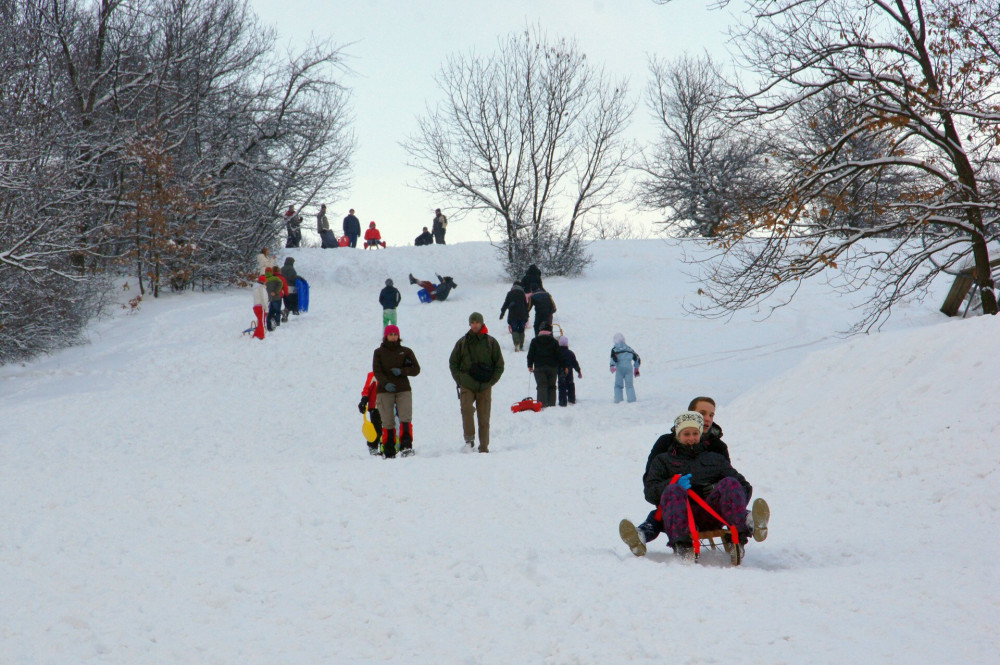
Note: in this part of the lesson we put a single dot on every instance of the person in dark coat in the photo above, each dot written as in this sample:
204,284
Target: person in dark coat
293,226
567,365
389,298
712,438
424,238
393,364
543,362
688,465
544,306
532,280
292,297
516,306
327,239
352,228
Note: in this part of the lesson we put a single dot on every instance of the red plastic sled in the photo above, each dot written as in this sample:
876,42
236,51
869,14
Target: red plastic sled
526,404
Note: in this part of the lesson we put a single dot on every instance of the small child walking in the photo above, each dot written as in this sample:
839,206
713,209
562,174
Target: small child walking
624,365
389,298
567,365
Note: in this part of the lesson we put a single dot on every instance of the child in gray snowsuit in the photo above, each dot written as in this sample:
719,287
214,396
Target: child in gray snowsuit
624,365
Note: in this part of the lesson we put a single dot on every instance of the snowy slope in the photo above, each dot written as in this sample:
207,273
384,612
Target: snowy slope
174,492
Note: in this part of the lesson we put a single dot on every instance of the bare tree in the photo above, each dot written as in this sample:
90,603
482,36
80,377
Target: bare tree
704,169
157,139
532,137
923,81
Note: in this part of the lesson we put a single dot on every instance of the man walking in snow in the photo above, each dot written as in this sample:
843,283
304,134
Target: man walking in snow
476,365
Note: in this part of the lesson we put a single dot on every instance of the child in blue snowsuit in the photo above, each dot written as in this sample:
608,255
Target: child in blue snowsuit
624,365
567,365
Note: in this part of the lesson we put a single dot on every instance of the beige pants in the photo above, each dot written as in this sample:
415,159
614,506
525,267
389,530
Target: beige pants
403,402
477,404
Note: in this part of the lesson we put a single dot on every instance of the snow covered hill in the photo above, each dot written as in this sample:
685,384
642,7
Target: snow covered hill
177,493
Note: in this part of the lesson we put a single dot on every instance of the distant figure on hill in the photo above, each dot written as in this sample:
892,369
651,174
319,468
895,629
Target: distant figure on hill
567,365
424,238
532,280
327,239
439,226
389,298
373,238
293,225
352,228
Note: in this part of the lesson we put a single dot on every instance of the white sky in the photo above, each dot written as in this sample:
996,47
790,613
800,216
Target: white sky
397,47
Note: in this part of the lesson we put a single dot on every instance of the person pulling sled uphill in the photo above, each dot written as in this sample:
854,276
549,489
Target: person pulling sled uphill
393,364
516,306
720,492
437,291
543,362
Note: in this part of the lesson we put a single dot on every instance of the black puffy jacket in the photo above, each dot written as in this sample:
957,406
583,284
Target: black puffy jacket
543,352
712,440
706,469
515,305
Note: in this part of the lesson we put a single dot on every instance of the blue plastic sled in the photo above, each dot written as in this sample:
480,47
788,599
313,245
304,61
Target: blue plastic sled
423,295
302,289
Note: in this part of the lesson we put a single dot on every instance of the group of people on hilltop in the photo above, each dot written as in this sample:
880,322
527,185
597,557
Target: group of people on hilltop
328,239
352,230
439,227
276,285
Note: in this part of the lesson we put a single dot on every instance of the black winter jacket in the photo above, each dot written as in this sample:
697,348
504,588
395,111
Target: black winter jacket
712,440
567,361
515,305
352,226
532,280
543,304
706,469
543,352
389,297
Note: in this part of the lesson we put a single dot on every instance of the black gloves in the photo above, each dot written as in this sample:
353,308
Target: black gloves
363,404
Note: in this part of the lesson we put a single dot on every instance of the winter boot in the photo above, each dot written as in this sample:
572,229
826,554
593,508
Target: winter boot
760,514
284,316
405,439
373,448
388,443
633,537
413,280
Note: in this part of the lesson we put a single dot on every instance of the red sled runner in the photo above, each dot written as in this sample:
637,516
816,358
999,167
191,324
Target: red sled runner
526,404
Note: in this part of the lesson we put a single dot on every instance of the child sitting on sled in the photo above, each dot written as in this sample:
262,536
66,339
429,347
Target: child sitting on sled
688,465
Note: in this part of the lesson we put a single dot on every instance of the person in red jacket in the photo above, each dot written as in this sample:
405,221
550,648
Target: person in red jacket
372,237
369,395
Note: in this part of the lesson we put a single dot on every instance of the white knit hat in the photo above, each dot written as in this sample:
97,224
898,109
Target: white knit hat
689,419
